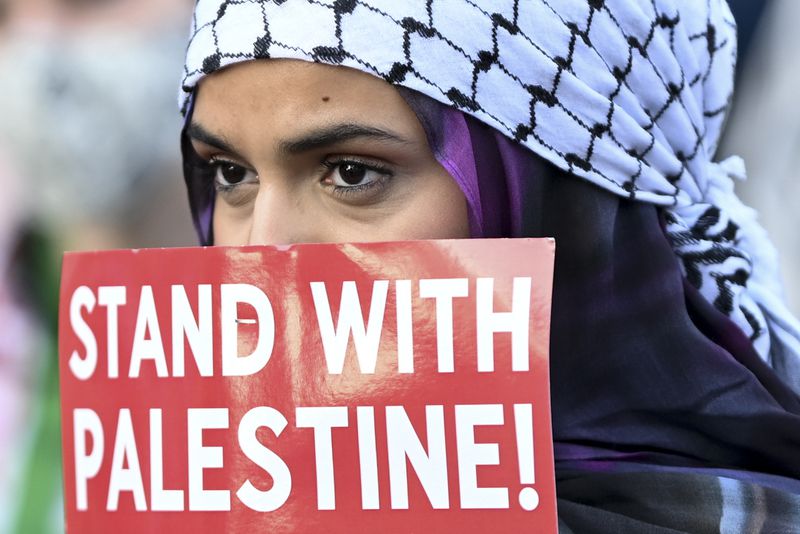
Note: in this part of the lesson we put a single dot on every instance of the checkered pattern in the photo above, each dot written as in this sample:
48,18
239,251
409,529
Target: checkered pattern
628,95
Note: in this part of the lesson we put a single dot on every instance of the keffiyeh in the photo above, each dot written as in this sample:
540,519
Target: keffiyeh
630,96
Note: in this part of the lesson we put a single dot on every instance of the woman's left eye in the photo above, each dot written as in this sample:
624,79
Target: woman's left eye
354,175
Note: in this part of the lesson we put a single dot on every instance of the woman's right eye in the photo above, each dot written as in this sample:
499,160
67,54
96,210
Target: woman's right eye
228,174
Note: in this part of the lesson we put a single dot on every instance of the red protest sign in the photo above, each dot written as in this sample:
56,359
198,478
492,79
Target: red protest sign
400,387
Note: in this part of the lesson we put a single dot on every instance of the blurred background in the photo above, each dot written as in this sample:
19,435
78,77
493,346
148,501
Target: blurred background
89,159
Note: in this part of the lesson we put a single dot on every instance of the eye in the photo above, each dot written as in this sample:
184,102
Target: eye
228,174
349,174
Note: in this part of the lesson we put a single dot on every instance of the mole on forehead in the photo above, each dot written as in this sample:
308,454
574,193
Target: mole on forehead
326,98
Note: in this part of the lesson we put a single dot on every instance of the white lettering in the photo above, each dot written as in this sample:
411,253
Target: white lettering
431,467
122,478
145,348
322,420
471,455
275,497
112,298
368,458
516,321
197,332
87,465
232,363
82,368
161,500
405,331
202,457
351,320
444,291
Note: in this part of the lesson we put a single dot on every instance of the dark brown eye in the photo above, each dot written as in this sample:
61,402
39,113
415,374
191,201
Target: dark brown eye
355,177
228,175
232,173
352,173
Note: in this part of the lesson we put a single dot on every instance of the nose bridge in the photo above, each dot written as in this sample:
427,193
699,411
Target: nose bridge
278,216
271,218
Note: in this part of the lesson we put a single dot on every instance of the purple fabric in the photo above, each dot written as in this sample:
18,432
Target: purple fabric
199,186
645,372
471,153
490,169
494,206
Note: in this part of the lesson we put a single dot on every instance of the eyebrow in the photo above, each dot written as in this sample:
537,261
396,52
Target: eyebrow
199,133
338,133
314,140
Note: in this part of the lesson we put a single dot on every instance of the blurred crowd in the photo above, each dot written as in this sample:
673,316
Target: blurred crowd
89,159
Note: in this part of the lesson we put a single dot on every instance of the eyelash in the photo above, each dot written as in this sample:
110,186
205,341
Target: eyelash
213,164
385,173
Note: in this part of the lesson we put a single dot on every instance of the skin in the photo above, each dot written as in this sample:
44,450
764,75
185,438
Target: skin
303,152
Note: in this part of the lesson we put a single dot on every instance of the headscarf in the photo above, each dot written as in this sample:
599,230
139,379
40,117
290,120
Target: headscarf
641,365
665,419
630,96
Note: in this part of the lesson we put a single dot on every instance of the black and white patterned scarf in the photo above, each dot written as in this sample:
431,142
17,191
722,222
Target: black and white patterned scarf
630,95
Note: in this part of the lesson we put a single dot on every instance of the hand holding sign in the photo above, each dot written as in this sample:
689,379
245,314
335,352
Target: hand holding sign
384,384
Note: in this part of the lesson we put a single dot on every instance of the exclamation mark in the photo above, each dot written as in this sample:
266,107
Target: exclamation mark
523,419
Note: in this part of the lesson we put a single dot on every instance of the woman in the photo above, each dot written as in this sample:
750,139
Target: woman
675,364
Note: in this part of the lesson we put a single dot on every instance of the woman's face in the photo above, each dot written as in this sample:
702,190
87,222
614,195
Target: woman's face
304,152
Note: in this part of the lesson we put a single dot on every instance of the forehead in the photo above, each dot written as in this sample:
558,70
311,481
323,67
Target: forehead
289,95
